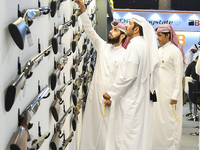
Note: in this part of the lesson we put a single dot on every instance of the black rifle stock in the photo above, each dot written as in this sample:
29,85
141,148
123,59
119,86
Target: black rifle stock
13,89
20,140
66,142
55,5
77,37
86,42
36,144
75,114
61,30
59,65
55,107
20,27
76,63
54,144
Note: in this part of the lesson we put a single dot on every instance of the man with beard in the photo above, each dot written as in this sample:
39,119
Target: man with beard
109,54
131,118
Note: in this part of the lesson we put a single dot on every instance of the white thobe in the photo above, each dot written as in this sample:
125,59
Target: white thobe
130,124
197,67
167,130
94,128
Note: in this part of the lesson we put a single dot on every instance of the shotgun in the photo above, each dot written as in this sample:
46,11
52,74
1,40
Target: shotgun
54,144
22,136
55,107
75,114
13,89
66,142
58,67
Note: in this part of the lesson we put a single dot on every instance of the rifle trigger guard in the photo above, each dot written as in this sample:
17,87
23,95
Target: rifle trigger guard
46,96
29,75
46,54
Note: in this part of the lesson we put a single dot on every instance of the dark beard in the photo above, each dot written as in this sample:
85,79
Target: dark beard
113,40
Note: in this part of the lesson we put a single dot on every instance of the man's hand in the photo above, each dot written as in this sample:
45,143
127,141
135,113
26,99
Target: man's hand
173,101
106,96
81,5
107,102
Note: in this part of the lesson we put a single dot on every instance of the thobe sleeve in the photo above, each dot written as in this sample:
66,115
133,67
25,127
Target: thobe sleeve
126,74
197,67
91,33
178,67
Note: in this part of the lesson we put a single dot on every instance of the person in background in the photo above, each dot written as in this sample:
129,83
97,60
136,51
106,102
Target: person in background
190,72
131,116
197,67
190,54
168,130
109,54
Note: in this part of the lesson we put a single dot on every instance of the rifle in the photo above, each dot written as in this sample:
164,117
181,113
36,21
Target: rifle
76,87
37,143
20,27
58,67
58,34
88,79
75,114
66,142
20,140
76,38
57,130
91,16
55,107
13,89
76,63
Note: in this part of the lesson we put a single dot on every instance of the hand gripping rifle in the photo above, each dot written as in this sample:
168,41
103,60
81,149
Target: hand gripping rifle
37,143
55,107
66,142
75,114
13,89
20,27
58,67
76,38
54,144
22,136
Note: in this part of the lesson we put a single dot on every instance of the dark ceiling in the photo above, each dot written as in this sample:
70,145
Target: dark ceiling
189,5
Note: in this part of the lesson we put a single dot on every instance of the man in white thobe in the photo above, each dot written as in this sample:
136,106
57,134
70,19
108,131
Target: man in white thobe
131,120
109,54
190,54
168,126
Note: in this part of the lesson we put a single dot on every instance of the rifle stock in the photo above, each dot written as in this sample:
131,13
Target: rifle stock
58,68
18,29
20,140
55,107
13,89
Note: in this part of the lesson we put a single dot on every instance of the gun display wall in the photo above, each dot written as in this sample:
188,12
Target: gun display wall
47,63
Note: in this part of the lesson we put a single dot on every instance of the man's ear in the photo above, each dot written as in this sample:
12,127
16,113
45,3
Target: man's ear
122,36
136,30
